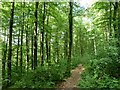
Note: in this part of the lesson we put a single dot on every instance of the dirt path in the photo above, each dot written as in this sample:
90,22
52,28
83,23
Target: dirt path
72,81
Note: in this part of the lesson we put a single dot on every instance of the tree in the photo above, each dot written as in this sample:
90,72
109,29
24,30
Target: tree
35,37
47,47
32,59
110,20
70,34
10,44
114,18
27,47
4,53
21,48
42,32
18,51
119,30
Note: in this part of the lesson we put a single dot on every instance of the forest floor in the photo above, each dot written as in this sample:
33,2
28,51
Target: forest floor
72,81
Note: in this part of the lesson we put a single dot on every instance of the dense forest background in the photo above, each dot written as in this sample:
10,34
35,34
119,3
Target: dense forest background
41,42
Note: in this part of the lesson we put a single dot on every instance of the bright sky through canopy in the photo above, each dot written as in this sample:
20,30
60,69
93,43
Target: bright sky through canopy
87,3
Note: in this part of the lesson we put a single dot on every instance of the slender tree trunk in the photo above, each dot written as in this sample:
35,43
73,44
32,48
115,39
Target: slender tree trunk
70,35
21,48
27,48
10,44
56,47
81,41
66,45
70,30
119,30
47,47
40,28
76,46
3,61
35,37
32,66
42,43
95,48
4,58
107,27
114,18
110,21
18,51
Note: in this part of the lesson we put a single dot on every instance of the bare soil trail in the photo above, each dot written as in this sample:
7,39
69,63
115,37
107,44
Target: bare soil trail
72,81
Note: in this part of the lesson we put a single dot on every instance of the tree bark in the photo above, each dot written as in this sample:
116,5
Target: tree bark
32,66
18,51
119,30
114,19
4,58
66,45
47,47
42,43
81,42
10,44
21,48
110,21
27,48
70,35
35,37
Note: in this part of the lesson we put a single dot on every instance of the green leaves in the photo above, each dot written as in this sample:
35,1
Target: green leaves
101,72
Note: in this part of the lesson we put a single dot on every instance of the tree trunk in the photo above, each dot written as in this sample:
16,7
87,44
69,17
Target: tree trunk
21,48
57,47
70,35
27,49
32,66
42,43
110,21
119,31
66,45
18,51
47,47
4,58
81,41
35,37
10,44
114,18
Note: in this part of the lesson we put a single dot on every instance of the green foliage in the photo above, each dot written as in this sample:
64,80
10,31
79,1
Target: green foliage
75,61
102,71
42,77
93,81
55,48
92,46
85,59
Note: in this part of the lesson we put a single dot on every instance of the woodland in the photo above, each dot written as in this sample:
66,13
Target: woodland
41,42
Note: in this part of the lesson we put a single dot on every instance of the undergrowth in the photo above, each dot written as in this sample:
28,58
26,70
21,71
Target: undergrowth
102,70
45,76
